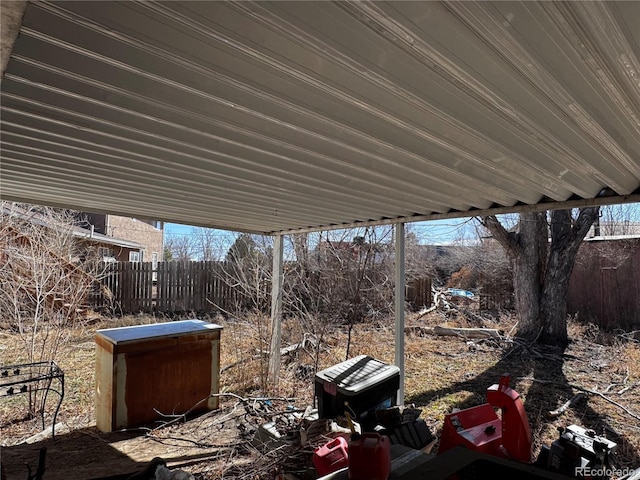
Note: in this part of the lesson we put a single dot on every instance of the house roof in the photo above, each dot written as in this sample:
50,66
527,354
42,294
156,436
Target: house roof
275,117
603,238
100,238
35,217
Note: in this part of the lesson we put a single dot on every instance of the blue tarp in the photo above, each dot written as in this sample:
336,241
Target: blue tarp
456,292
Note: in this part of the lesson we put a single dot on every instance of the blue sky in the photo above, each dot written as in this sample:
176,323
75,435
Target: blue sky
431,232
437,232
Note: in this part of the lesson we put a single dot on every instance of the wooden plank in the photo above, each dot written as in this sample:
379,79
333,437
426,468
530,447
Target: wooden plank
167,287
161,294
122,287
173,288
199,287
134,294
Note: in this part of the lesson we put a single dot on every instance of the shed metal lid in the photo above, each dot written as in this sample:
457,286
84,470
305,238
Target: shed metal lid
154,330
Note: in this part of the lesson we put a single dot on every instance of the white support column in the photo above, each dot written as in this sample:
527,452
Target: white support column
399,307
276,309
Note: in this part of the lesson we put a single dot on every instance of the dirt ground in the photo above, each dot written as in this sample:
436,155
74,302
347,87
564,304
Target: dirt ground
441,373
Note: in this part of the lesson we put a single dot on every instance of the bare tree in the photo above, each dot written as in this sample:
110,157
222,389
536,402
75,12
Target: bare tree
439,254
420,257
618,220
208,244
331,278
340,278
247,268
181,247
542,250
46,277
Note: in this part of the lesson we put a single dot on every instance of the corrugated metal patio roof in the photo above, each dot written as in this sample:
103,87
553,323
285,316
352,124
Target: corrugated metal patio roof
280,116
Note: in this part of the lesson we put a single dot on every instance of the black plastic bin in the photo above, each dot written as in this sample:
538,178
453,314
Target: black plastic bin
364,382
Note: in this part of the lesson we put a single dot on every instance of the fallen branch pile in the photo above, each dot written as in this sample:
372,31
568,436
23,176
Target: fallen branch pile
441,302
232,433
455,332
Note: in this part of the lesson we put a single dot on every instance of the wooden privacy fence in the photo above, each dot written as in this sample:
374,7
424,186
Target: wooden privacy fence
605,283
603,289
173,287
490,302
418,293
177,287
496,293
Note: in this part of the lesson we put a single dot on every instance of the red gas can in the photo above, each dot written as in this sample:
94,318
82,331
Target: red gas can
331,456
369,457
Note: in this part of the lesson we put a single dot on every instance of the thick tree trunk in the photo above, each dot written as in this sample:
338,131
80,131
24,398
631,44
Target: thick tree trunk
528,272
553,303
527,251
526,291
542,269
566,236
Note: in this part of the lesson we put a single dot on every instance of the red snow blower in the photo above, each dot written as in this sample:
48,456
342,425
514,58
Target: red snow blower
578,453
479,428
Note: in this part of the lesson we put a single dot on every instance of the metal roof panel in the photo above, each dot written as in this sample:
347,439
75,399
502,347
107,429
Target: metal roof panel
281,116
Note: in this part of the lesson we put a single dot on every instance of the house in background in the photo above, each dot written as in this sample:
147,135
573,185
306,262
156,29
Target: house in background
109,249
604,228
89,239
147,235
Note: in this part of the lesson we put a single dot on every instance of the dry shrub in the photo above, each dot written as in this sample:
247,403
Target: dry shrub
45,277
245,353
465,278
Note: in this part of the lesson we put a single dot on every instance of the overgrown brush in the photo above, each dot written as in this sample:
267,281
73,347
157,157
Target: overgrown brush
46,276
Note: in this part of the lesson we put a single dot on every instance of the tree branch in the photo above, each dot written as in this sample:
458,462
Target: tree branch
505,238
586,390
560,410
585,219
